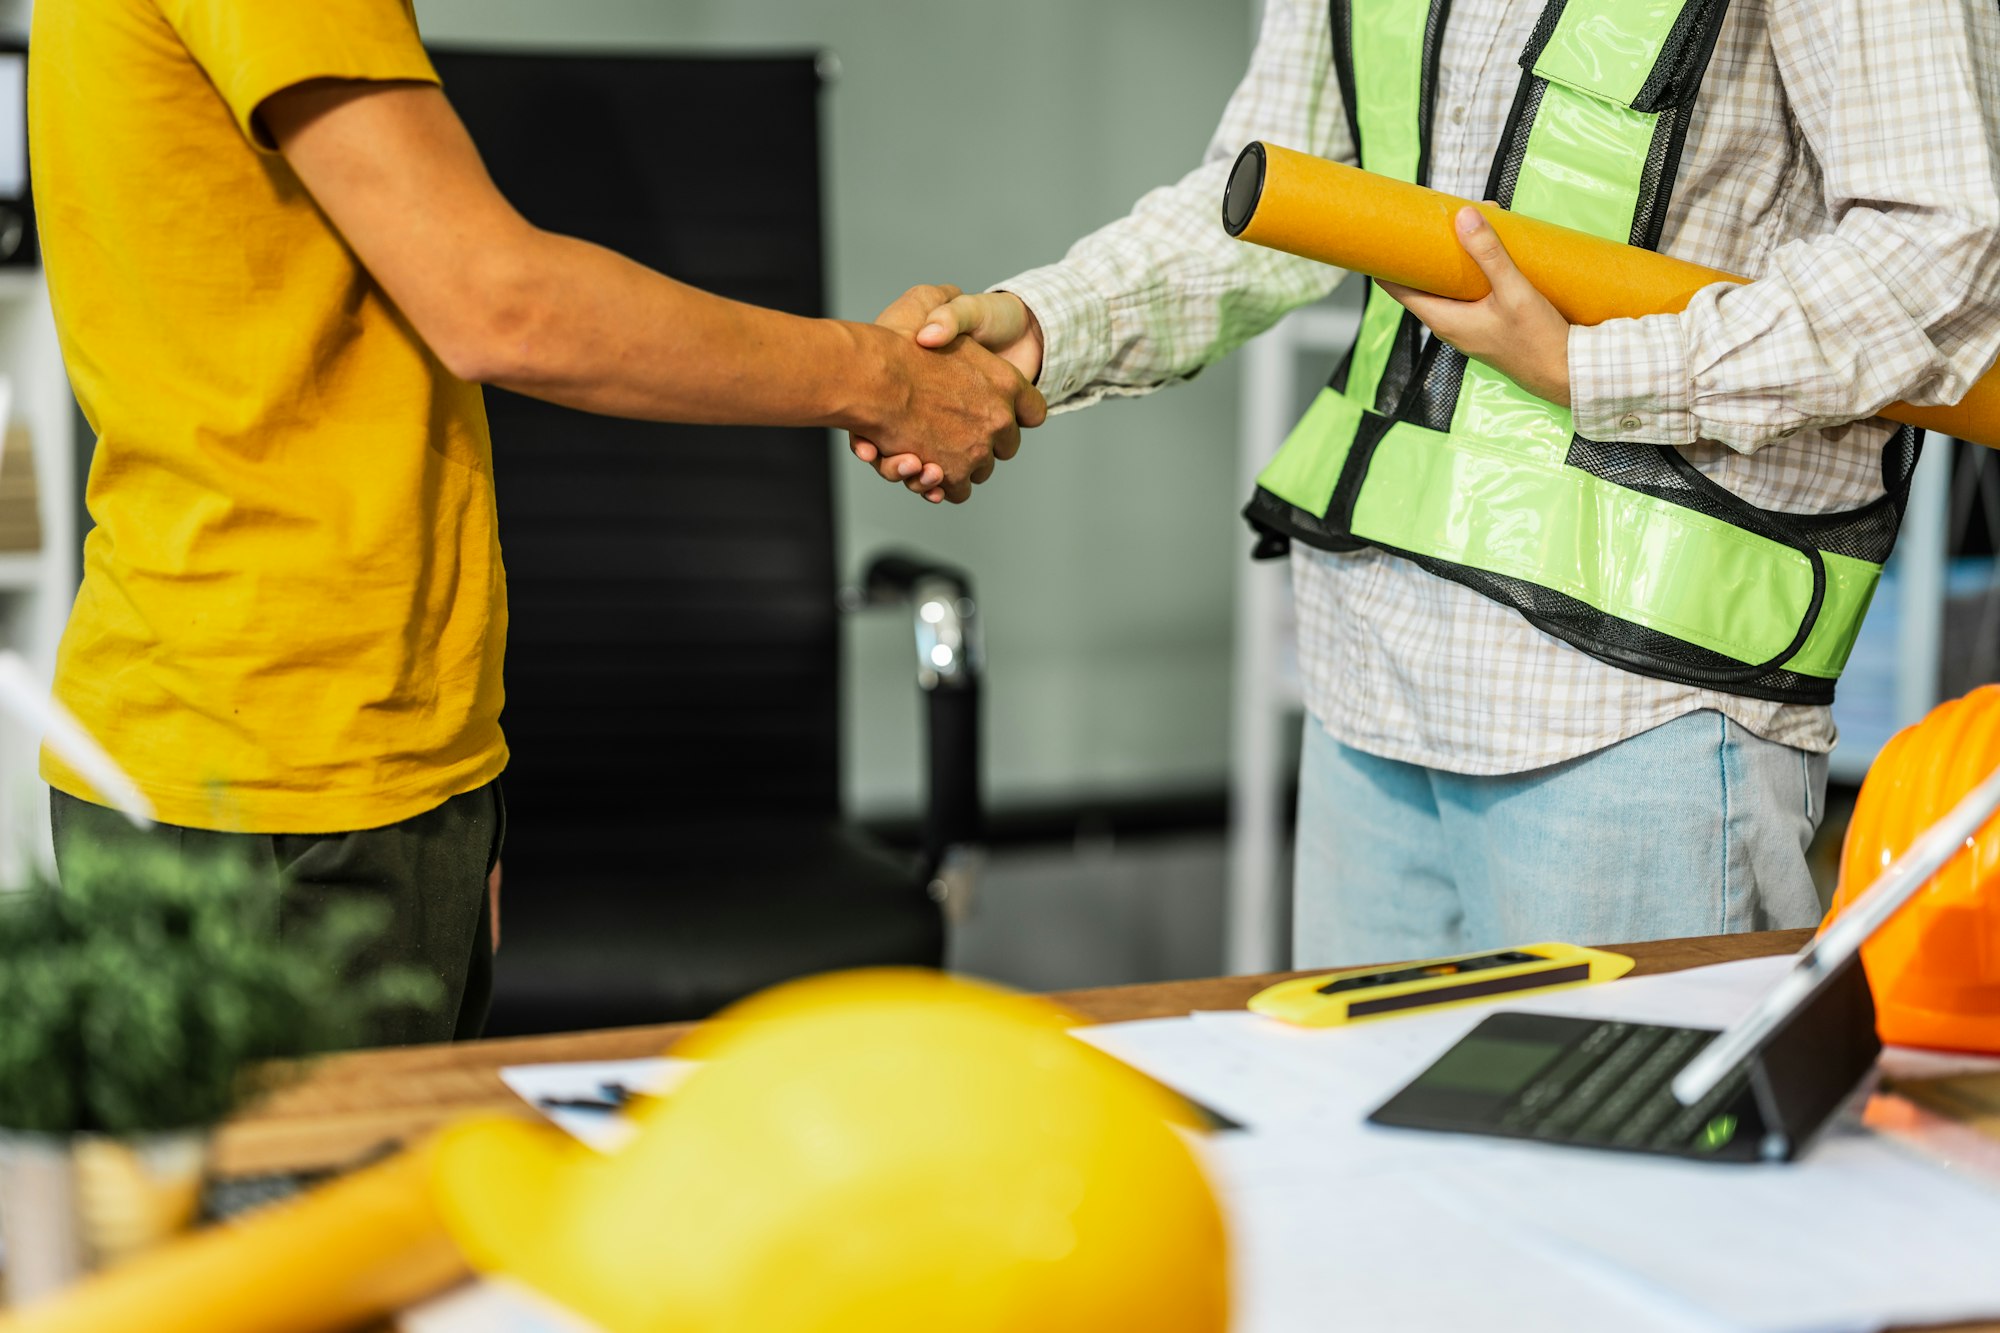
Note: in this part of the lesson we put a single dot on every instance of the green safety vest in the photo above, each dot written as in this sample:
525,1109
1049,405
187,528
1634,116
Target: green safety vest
1626,551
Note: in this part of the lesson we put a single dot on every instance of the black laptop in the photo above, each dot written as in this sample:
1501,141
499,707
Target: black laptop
1756,1092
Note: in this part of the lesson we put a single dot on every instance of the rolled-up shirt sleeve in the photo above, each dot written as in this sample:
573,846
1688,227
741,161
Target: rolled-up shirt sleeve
1163,291
1898,102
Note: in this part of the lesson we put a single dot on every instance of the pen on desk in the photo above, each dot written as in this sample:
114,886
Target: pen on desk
612,1097
577,1103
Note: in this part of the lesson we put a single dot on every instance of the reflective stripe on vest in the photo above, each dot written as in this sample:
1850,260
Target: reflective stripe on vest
1387,72
1494,494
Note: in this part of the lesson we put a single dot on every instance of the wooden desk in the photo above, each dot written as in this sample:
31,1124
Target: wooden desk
351,1106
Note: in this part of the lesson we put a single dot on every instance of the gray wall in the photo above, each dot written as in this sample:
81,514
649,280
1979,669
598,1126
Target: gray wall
968,140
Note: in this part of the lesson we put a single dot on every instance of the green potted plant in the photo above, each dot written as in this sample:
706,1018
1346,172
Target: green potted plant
141,1000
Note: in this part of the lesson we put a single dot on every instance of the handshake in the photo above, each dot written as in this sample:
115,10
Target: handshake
958,391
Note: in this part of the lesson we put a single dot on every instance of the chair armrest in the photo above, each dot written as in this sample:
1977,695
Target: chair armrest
950,658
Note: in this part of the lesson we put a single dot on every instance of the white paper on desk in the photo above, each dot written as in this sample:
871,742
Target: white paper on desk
1207,1067
1856,1235
492,1305
606,1131
1314,1247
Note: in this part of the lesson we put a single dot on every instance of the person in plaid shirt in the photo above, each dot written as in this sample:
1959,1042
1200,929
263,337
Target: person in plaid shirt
1468,780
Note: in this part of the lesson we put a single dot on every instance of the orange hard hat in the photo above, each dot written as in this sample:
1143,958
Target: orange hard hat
1934,967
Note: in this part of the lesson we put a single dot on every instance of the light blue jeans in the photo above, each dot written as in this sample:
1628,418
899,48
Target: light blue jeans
1696,827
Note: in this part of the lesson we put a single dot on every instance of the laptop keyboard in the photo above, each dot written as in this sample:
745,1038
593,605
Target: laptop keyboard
1614,1089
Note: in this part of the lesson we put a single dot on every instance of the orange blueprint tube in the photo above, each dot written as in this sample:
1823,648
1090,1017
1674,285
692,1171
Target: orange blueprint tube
1403,233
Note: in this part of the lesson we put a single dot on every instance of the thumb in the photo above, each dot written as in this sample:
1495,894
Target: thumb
906,312
1483,243
992,319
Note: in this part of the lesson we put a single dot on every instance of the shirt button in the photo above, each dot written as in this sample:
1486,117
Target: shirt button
1787,434
1457,114
1630,421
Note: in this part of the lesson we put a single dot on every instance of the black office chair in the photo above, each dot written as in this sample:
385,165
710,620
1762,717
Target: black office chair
673,660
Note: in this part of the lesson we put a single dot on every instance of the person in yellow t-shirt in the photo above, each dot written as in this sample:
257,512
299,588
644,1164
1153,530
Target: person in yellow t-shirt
280,273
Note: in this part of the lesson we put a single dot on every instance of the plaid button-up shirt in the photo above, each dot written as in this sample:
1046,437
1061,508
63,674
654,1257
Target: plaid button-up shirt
1847,155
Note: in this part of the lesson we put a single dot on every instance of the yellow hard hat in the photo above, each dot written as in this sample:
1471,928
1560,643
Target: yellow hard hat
888,1151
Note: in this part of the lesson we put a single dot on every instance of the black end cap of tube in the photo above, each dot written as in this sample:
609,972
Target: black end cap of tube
1246,189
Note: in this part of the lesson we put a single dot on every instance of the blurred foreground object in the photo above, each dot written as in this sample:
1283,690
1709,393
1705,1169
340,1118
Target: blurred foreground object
1389,229
144,997
1934,967
356,1250
889,1151
28,699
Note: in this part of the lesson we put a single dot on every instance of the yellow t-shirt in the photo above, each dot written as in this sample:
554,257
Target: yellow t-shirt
293,610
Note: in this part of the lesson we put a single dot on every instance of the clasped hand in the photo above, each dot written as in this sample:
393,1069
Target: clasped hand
994,333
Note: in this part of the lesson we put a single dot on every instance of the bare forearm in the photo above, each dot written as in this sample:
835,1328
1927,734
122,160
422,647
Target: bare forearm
582,326
502,302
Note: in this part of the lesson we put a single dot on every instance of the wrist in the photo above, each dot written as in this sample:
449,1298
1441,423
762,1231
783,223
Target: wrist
1074,341
1558,371
1033,340
1025,352
1629,381
862,381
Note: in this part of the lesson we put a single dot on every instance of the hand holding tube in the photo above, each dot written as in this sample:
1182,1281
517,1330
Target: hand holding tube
1392,230
1513,328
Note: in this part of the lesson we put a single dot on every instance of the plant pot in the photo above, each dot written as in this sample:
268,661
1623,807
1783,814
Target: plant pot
68,1205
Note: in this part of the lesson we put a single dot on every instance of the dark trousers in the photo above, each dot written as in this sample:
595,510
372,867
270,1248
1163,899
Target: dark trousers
430,869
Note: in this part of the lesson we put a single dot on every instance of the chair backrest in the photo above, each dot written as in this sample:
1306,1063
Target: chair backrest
673,650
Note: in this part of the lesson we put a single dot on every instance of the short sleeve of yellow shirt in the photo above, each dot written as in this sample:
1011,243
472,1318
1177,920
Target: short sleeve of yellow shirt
250,50
293,610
